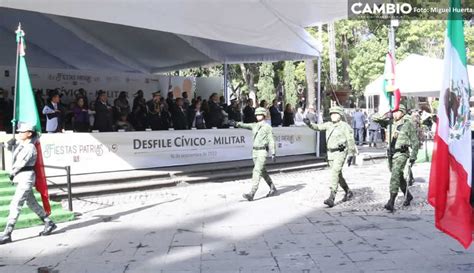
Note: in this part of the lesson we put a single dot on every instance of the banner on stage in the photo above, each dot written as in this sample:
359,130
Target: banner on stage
104,152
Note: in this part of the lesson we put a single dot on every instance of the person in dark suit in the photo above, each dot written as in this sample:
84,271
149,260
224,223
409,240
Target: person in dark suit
249,112
179,116
288,116
54,112
196,116
234,112
139,112
215,117
275,114
103,113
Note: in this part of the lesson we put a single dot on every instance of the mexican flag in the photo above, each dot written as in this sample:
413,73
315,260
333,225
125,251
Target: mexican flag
389,88
26,111
451,168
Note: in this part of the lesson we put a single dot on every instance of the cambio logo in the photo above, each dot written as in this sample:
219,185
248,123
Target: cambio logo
385,8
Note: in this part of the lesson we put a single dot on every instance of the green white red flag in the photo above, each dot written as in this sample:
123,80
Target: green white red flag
26,111
390,97
450,187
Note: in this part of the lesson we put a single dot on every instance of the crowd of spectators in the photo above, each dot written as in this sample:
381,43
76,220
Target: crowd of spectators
158,113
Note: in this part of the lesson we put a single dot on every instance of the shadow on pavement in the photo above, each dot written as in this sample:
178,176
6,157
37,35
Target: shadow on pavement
113,217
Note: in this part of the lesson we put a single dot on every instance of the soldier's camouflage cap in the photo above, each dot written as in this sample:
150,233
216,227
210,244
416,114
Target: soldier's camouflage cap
402,109
337,110
260,111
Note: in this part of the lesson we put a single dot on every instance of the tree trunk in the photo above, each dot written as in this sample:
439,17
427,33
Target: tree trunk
248,73
345,60
310,78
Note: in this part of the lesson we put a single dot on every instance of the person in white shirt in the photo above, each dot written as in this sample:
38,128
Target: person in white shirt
54,114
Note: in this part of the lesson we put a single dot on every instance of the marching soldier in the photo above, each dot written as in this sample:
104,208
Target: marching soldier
23,173
404,137
263,143
340,143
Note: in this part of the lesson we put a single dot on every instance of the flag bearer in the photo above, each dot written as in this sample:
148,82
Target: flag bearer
23,174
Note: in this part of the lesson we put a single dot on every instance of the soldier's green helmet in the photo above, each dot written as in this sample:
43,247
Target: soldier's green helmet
337,110
260,111
402,109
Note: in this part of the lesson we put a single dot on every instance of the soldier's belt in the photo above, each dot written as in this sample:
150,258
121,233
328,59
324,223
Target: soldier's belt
260,148
400,151
336,150
26,168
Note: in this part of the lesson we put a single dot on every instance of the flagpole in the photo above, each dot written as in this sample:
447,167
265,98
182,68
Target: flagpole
16,79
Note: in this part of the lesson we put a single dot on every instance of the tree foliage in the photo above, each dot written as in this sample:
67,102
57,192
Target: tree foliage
265,86
289,79
361,47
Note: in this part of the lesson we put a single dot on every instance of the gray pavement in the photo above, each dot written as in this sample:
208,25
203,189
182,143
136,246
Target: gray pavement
209,228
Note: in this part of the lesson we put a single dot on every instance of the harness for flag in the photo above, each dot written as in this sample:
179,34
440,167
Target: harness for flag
26,111
390,98
450,187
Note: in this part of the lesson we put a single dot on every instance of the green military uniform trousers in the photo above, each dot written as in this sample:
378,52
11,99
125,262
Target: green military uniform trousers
259,171
397,180
336,163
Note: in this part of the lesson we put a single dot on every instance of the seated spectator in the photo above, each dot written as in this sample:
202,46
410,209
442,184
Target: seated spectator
81,116
123,124
288,116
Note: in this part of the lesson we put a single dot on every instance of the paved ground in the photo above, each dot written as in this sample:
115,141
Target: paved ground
209,228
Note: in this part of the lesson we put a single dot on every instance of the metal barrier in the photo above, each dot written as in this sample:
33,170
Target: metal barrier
2,146
69,187
66,168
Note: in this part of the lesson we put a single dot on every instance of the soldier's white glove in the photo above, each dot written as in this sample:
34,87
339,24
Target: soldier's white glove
273,158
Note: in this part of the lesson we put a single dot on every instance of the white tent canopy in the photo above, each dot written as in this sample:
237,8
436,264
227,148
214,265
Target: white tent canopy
416,76
155,36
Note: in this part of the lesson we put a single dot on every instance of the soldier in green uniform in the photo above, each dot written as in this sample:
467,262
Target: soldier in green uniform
404,137
263,143
340,143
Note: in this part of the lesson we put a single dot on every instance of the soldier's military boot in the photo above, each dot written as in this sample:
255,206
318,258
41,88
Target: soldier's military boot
330,201
348,194
7,235
49,226
273,190
408,196
248,196
390,206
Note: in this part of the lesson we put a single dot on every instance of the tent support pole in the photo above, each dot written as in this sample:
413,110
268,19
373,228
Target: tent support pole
226,96
318,107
